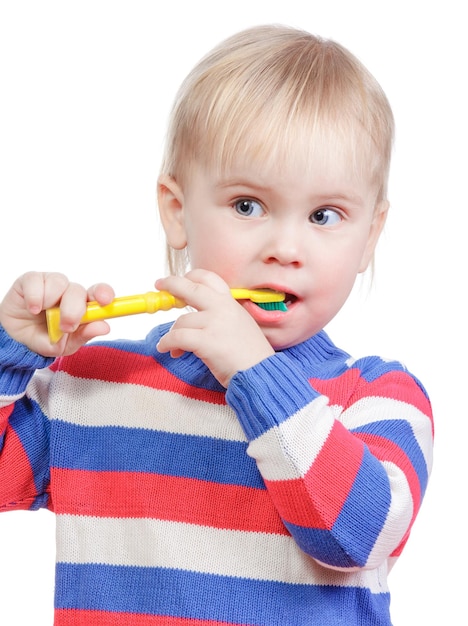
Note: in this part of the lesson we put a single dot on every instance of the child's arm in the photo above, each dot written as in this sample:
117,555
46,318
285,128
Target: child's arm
345,460
24,453
24,349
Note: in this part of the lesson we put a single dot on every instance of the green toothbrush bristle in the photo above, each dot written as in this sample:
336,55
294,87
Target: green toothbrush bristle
272,306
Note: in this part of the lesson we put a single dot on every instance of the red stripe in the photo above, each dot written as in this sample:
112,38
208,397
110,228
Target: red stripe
351,387
317,500
76,617
140,495
295,504
118,366
339,389
4,416
19,491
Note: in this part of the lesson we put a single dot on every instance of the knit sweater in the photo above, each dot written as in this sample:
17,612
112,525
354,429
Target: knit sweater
283,500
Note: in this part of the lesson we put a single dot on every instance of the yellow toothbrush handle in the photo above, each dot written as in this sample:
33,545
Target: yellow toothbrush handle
149,302
130,305
257,295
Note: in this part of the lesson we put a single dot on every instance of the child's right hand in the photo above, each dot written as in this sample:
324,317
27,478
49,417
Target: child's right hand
22,312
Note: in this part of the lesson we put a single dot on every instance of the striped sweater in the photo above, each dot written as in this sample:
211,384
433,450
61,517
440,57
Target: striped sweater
283,500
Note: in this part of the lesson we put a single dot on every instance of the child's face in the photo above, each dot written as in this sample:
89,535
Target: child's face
307,234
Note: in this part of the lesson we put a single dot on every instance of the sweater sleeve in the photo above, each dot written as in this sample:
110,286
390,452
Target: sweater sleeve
345,459
24,433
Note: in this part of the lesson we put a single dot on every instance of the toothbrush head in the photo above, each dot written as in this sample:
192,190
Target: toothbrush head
272,306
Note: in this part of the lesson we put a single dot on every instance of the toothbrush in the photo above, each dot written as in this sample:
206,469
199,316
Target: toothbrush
151,302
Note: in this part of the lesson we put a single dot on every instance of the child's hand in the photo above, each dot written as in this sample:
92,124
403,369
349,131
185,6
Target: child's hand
220,332
22,312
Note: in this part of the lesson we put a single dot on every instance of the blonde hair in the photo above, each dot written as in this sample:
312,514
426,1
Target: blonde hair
269,93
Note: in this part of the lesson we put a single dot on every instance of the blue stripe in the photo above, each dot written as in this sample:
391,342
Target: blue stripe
321,544
177,593
365,510
401,433
32,428
373,367
118,449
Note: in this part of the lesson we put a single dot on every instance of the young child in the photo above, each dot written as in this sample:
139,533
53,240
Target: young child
235,467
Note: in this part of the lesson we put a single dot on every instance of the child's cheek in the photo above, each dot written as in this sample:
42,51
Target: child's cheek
218,256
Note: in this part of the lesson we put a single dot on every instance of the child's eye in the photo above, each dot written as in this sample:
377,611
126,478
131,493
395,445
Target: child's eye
325,217
248,207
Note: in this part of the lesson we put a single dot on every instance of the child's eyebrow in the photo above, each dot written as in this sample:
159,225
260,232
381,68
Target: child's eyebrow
340,197
241,182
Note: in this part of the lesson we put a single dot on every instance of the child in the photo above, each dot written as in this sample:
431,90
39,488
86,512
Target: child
235,467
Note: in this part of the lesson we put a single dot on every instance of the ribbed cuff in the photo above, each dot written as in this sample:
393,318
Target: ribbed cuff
17,364
268,393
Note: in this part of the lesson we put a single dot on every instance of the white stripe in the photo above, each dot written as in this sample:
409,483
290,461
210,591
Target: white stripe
38,388
7,400
368,410
299,439
134,406
157,543
398,517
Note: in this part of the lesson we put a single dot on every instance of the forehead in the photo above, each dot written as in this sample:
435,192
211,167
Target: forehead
334,154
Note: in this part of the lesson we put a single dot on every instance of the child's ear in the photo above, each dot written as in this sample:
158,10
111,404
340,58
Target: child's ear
171,211
378,222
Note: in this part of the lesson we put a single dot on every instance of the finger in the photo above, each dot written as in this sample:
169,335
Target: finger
85,333
208,278
181,288
194,320
180,340
55,285
72,307
41,290
71,342
195,294
102,293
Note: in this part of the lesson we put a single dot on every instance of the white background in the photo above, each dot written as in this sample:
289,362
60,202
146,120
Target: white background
85,89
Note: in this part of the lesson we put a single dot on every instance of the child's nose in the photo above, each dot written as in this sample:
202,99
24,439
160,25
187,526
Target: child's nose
284,246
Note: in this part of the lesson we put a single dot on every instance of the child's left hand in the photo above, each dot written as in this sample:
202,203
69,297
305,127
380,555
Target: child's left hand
220,332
